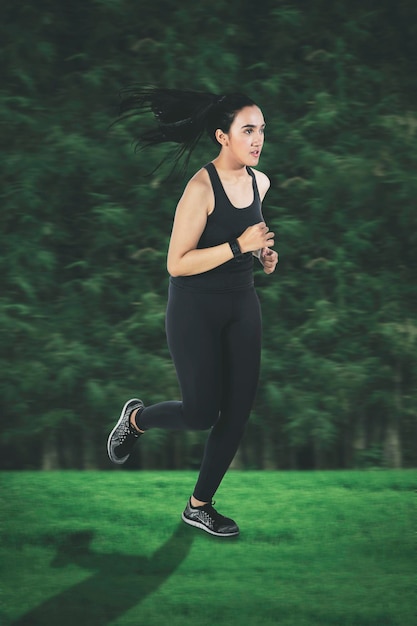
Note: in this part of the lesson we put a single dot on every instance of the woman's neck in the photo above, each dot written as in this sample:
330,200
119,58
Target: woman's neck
230,168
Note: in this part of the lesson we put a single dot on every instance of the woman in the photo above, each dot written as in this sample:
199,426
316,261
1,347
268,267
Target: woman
213,320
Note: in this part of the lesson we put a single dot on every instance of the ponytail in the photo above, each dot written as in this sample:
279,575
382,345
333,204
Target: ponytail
182,116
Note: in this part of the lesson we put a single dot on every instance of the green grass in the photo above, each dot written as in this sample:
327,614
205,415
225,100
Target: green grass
101,548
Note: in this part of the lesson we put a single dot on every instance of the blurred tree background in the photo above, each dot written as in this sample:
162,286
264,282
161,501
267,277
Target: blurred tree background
84,231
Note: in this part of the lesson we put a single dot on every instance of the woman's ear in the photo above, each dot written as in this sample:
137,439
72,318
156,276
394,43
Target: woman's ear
221,137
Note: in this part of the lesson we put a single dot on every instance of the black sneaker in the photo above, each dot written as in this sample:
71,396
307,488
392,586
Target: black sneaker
123,436
207,518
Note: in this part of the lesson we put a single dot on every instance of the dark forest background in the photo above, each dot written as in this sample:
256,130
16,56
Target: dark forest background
84,231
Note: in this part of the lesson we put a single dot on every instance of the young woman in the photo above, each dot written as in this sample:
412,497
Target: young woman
213,320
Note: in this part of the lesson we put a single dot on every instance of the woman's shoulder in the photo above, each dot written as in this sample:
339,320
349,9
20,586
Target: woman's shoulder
200,180
198,191
199,184
262,181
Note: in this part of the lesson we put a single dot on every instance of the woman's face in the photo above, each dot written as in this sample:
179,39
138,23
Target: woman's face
246,135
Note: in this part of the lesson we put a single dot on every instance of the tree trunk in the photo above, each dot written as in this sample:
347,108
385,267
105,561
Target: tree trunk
269,456
319,456
359,441
237,462
392,446
50,457
88,451
392,442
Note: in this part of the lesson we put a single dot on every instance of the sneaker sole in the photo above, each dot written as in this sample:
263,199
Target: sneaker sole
113,458
207,530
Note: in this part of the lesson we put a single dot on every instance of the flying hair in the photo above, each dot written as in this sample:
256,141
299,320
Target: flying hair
181,117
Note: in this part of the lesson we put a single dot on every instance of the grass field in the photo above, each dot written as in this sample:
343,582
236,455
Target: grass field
108,548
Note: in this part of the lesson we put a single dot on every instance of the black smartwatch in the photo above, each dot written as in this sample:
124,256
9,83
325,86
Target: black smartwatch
237,252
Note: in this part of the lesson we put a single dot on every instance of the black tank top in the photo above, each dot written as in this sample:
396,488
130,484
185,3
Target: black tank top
226,222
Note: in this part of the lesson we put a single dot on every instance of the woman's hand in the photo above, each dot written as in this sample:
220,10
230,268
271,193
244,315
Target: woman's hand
269,259
256,237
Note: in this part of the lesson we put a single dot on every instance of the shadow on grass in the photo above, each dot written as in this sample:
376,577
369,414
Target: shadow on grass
118,583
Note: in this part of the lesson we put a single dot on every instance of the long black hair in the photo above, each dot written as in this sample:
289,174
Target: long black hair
182,117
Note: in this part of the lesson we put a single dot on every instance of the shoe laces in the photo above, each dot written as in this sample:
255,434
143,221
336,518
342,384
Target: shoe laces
211,511
126,429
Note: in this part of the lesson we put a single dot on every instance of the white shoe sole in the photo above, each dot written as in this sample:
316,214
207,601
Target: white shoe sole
208,530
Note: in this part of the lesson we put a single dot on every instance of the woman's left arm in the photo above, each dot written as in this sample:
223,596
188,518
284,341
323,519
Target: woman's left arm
267,257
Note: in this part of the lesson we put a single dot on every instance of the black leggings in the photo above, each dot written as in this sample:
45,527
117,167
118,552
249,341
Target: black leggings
215,343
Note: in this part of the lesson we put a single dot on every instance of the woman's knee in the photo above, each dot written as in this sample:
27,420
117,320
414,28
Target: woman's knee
199,417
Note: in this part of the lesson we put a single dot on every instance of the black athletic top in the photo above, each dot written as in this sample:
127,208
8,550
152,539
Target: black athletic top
226,222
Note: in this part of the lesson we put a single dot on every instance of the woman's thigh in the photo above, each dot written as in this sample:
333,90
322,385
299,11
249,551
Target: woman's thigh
194,340
241,357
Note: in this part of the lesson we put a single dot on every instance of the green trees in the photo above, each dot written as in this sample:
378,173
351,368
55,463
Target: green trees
84,232
344,165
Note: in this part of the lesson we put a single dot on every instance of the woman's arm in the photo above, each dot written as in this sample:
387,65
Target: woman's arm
263,184
184,259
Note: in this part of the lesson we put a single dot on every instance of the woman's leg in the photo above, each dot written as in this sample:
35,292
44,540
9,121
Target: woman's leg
240,373
194,339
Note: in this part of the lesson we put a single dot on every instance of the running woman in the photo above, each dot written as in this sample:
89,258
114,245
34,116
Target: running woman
213,318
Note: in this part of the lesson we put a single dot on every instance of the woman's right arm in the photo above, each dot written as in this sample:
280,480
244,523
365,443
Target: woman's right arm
184,259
